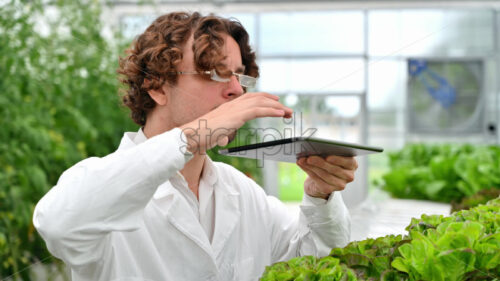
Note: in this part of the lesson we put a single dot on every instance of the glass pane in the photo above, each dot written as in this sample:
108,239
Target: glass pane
338,118
430,32
386,102
311,32
387,84
312,76
133,25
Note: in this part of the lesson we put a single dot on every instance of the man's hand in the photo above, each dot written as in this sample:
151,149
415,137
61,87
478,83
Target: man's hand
327,175
216,127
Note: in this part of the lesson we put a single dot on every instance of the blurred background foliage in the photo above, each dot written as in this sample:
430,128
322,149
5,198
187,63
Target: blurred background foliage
450,173
59,104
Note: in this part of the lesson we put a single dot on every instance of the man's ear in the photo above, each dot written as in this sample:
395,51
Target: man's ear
158,95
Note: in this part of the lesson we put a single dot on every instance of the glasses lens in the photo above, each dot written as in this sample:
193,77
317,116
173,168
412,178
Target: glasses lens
247,81
214,76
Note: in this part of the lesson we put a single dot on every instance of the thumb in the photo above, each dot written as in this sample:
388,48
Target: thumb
222,140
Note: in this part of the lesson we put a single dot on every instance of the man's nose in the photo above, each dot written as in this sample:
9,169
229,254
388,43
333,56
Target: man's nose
233,89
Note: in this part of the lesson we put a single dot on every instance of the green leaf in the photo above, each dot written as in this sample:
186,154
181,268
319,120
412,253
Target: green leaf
455,263
326,263
400,264
433,189
405,251
356,260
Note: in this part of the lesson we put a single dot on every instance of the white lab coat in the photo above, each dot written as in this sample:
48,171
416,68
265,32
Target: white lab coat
119,218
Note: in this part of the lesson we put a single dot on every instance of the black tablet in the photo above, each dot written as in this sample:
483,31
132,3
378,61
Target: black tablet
291,149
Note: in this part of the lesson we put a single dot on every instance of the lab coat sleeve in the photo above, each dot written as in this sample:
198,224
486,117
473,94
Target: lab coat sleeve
101,195
321,226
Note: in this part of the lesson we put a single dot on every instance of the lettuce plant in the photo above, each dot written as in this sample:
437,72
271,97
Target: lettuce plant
309,268
463,246
446,172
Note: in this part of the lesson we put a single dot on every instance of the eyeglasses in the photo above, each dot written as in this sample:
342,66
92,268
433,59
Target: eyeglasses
244,80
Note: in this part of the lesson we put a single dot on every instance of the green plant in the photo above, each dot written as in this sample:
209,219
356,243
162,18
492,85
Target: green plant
463,246
309,268
371,258
58,105
481,197
446,172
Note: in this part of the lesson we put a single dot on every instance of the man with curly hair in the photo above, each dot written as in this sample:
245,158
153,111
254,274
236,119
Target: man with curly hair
158,208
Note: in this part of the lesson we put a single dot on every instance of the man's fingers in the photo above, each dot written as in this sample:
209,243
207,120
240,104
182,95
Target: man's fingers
222,140
253,113
251,104
266,102
338,171
264,99
258,94
345,162
328,182
266,110
327,178
323,187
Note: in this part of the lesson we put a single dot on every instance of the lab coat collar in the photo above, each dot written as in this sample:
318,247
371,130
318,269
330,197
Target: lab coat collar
227,214
131,139
210,174
227,211
127,141
180,216
227,205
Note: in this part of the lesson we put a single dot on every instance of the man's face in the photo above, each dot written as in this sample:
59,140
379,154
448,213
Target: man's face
195,95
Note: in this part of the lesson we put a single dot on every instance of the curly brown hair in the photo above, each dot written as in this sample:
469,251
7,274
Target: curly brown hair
155,54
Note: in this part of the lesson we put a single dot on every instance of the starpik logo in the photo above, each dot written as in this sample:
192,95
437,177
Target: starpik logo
290,128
